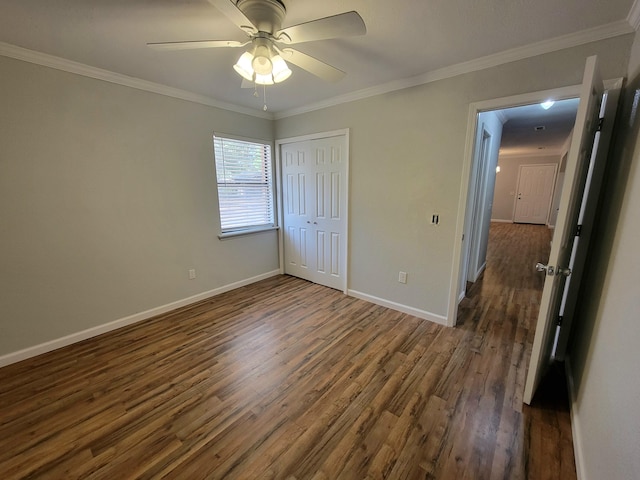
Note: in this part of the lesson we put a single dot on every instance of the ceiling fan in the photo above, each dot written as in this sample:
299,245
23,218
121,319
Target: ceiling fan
263,62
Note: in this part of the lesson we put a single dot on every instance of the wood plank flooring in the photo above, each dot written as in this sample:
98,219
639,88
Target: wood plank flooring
285,379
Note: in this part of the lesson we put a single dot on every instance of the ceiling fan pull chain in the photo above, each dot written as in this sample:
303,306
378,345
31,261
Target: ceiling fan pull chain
264,96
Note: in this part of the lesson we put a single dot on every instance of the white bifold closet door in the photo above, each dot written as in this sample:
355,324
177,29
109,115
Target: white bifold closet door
314,209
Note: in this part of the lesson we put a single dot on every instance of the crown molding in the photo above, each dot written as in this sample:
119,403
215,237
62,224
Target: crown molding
634,15
602,32
58,63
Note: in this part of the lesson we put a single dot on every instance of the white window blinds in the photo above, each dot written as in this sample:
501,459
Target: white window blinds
245,188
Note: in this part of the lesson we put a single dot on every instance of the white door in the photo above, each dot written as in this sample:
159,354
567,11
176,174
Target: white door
314,189
563,237
535,189
585,223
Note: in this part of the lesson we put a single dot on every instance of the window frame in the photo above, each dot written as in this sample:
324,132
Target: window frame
247,229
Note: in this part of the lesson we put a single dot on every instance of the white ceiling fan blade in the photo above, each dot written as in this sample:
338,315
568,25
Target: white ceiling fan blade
342,25
234,14
313,65
192,44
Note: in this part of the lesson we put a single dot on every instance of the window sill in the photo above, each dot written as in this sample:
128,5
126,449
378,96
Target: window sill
248,231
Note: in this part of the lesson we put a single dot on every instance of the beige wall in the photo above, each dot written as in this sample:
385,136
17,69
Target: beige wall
107,198
604,355
407,151
507,183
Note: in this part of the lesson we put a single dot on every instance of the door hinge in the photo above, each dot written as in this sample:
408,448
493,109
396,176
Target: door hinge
559,322
578,230
600,122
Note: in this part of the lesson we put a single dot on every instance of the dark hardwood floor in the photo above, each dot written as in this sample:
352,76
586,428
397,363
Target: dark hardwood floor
290,380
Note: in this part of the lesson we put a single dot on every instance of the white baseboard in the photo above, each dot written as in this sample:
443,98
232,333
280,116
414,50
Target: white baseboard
122,322
501,220
461,296
432,317
575,422
479,272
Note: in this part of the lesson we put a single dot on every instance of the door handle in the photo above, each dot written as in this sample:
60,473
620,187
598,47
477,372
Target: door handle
549,269
563,271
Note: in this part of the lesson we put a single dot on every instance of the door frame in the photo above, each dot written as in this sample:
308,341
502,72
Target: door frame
279,201
476,210
553,188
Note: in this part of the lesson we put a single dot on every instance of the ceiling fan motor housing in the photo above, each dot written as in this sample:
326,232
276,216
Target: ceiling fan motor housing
266,15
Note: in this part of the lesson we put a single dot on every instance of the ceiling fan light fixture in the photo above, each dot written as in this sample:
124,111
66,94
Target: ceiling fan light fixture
261,62
243,66
281,70
264,79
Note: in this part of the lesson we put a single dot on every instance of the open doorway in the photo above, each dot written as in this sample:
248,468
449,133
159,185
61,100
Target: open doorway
517,173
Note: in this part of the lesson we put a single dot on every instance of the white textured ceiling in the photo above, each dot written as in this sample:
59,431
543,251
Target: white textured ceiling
405,38
520,135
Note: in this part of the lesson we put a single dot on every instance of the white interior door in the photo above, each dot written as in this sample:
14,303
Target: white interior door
556,270
535,189
586,222
314,195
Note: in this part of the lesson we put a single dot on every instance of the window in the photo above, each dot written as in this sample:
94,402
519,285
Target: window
245,187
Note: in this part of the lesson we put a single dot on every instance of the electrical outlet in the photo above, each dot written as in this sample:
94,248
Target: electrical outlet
192,273
435,219
402,277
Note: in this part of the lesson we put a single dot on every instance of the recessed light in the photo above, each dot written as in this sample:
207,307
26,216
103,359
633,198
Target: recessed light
547,105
